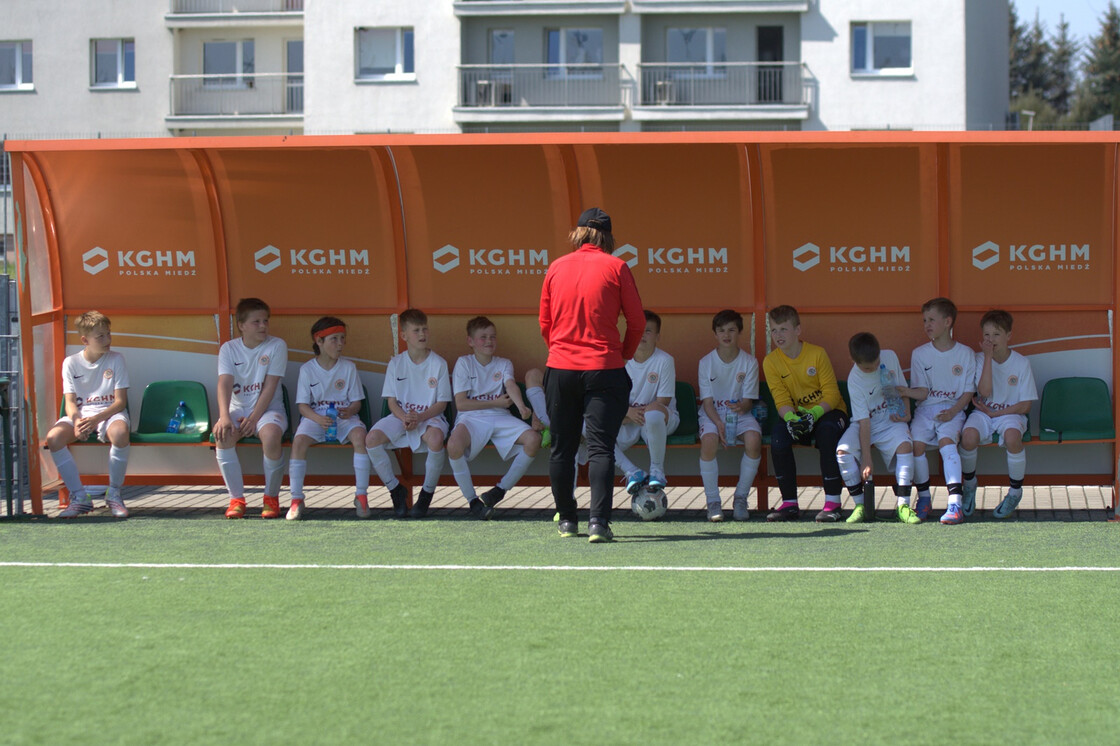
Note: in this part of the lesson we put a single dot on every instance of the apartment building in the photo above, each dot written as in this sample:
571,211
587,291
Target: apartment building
221,67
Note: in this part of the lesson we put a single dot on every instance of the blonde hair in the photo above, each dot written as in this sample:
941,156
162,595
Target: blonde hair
586,234
89,321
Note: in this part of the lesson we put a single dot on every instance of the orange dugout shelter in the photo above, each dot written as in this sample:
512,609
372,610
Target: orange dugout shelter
855,229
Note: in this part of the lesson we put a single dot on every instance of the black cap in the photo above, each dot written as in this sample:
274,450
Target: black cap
595,218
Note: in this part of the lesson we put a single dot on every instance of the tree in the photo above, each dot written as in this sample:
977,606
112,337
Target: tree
1101,90
1034,63
1063,55
1018,49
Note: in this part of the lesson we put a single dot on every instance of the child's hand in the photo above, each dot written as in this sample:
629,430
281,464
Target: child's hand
987,347
721,430
866,472
502,402
248,426
537,424
411,420
945,415
322,420
636,415
223,428
83,426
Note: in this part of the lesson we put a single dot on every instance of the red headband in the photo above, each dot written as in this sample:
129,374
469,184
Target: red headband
329,331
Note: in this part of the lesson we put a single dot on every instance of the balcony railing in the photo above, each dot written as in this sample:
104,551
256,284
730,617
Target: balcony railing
539,85
236,6
722,84
254,94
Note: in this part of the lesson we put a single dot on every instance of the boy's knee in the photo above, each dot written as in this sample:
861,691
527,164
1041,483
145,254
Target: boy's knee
375,438
534,378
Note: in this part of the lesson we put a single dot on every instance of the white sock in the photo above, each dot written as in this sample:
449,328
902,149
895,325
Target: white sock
709,475
537,401
462,474
921,472
950,464
273,476
379,457
654,433
904,474
517,469
433,466
624,464
748,467
968,460
297,470
849,468
68,470
230,466
118,463
1017,465
361,473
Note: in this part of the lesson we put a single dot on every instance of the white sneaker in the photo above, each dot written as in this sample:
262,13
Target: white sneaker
715,512
740,510
115,503
295,512
361,506
77,508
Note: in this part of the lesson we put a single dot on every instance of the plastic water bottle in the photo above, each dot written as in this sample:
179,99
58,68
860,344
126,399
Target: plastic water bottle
760,412
332,429
731,422
894,402
175,424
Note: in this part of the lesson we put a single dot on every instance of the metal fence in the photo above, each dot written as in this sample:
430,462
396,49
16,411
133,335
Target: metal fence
13,449
236,6
539,85
722,84
244,94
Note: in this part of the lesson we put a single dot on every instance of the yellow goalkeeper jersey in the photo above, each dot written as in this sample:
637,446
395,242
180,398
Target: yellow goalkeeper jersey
803,381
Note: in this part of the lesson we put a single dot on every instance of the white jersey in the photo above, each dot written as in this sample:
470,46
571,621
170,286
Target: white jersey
948,375
866,390
249,367
417,386
482,382
93,384
722,382
1012,381
319,388
653,379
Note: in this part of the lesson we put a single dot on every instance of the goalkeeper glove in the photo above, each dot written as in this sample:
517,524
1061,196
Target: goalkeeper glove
812,414
796,425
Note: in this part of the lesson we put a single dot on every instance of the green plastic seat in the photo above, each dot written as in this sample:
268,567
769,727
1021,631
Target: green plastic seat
161,399
1076,408
689,428
767,398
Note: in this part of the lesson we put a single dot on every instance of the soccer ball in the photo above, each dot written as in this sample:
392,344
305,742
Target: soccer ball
649,504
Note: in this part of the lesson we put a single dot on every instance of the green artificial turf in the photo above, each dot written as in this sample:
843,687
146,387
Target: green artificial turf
197,655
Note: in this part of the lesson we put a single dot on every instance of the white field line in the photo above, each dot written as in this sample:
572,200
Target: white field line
542,568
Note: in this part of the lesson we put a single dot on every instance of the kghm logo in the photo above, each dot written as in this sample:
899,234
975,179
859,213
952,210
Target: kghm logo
492,261
853,258
313,261
683,261
142,263
1034,257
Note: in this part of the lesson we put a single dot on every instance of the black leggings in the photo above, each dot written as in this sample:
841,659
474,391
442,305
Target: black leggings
826,434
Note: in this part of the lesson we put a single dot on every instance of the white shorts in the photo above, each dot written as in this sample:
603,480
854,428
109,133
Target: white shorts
925,429
270,417
886,440
393,428
503,430
986,425
102,427
746,422
318,433
630,432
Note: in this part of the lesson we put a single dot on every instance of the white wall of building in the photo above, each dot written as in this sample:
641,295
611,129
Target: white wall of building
63,102
987,53
334,102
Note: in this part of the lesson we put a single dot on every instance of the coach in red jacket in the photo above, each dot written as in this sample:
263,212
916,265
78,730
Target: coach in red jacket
586,381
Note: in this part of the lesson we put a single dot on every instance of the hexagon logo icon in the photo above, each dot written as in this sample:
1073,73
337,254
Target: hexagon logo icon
443,265
95,260
267,259
806,256
985,255
628,254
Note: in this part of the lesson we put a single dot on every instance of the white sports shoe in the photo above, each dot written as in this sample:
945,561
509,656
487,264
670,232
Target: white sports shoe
740,510
295,512
77,508
115,503
715,512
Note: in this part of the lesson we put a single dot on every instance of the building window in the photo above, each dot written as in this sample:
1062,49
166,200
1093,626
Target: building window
15,65
881,48
384,54
112,63
699,48
501,46
574,52
228,63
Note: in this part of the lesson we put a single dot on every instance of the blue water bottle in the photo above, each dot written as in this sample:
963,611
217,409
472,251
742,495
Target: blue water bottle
175,424
731,422
332,429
